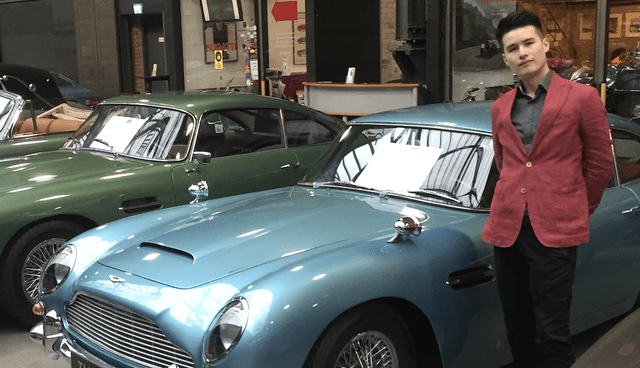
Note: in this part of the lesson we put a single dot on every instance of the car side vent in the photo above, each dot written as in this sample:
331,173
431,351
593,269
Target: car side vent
141,205
470,277
165,248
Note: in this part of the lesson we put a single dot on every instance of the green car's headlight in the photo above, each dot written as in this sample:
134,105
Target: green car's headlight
228,327
57,269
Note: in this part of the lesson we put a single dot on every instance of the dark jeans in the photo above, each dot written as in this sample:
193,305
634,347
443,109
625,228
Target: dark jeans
534,283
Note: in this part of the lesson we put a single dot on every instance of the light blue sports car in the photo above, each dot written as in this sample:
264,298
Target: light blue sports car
375,259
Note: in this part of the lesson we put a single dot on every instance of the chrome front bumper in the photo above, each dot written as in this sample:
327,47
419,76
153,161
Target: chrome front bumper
56,342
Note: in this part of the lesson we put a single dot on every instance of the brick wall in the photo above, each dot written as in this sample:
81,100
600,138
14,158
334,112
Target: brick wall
389,70
137,54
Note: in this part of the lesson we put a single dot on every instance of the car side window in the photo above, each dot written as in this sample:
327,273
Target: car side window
627,154
304,130
234,132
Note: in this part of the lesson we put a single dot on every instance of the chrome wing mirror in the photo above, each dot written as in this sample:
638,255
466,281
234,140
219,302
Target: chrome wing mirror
200,191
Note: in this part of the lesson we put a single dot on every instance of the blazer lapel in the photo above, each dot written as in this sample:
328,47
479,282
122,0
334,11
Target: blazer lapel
553,102
505,119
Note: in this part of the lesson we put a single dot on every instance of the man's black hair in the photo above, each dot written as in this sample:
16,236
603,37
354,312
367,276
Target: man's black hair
517,20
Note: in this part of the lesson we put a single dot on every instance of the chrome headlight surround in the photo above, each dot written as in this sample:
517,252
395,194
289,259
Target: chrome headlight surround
58,269
227,329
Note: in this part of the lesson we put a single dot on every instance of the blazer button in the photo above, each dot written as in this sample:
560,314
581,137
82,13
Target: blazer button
529,164
523,190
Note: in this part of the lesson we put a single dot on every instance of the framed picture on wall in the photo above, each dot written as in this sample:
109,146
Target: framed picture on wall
586,22
299,40
615,25
554,29
632,22
220,36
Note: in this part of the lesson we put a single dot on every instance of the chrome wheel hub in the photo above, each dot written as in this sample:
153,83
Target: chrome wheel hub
369,349
34,265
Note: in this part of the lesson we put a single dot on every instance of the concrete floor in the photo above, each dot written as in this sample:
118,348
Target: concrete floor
18,351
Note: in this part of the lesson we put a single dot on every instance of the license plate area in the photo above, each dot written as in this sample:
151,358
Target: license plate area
80,362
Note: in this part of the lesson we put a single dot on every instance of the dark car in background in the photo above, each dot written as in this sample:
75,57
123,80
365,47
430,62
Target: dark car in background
34,115
73,91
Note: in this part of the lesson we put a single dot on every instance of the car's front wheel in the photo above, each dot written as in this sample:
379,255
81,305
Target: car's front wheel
369,337
23,263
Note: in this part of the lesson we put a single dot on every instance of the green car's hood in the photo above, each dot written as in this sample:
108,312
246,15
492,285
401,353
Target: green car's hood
45,168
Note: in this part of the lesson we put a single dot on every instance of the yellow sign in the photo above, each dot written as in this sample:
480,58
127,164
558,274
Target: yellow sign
218,58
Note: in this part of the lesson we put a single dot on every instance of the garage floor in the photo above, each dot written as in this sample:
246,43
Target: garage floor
18,351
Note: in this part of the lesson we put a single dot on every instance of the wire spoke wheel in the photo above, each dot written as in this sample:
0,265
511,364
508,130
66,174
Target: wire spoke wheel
369,349
34,265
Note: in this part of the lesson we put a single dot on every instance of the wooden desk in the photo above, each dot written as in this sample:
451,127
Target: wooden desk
345,99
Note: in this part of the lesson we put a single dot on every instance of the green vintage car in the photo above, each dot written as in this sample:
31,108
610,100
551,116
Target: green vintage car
140,153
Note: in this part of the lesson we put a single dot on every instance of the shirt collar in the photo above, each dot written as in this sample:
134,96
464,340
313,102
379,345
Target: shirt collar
544,84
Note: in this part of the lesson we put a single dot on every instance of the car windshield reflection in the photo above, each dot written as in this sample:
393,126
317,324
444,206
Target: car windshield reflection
449,167
143,132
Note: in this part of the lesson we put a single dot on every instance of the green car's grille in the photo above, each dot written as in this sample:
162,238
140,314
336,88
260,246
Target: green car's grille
124,333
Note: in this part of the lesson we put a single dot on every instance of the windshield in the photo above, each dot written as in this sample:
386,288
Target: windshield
6,105
144,132
437,165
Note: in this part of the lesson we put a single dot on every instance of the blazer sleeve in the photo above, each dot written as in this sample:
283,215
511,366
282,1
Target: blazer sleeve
497,147
597,154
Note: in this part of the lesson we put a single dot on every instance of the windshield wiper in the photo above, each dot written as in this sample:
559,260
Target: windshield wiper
437,193
347,184
113,151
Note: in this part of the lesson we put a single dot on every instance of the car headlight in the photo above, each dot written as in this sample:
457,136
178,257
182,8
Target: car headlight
228,327
58,269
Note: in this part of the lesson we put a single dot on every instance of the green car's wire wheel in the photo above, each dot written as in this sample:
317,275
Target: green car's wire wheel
23,263
34,265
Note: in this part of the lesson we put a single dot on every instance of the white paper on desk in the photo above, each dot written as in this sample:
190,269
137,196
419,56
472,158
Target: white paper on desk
398,167
118,132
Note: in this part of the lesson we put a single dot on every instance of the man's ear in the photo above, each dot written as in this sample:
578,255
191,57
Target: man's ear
545,44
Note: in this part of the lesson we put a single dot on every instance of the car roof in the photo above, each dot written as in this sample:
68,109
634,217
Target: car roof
474,115
198,102
41,78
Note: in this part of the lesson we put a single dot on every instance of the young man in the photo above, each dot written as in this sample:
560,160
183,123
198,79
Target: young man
553,149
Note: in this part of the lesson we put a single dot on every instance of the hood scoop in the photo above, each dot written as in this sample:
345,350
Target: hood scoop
163,248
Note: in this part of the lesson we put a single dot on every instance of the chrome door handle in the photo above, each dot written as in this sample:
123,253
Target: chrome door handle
289,166
631,210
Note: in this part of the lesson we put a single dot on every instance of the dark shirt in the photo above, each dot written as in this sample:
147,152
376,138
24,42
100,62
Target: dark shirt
526,111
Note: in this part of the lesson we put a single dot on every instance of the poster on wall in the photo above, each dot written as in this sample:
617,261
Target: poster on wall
299,40
632,24
615,25
220,36
586,23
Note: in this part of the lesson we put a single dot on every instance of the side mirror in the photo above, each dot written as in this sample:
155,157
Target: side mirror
202,157
200,191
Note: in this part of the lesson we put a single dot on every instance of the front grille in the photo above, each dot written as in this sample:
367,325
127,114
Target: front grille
124,333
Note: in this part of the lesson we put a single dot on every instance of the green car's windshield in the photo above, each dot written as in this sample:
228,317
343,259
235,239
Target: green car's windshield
444,166
145,132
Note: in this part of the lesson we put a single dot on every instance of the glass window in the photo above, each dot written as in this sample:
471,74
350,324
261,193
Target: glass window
233,132
479,71
303,130
455,169
627,149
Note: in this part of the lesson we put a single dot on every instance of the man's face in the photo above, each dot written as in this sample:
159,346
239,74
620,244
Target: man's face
525,52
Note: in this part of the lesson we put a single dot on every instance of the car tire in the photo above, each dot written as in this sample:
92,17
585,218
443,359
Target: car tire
23,263
364,332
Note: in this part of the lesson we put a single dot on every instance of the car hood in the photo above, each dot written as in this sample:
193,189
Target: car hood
184,250
59,166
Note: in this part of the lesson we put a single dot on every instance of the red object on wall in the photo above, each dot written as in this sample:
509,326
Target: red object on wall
285,10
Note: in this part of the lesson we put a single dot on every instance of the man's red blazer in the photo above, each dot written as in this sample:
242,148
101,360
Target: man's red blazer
562,178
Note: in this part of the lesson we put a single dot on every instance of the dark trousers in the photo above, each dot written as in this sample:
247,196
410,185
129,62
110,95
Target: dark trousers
534,284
